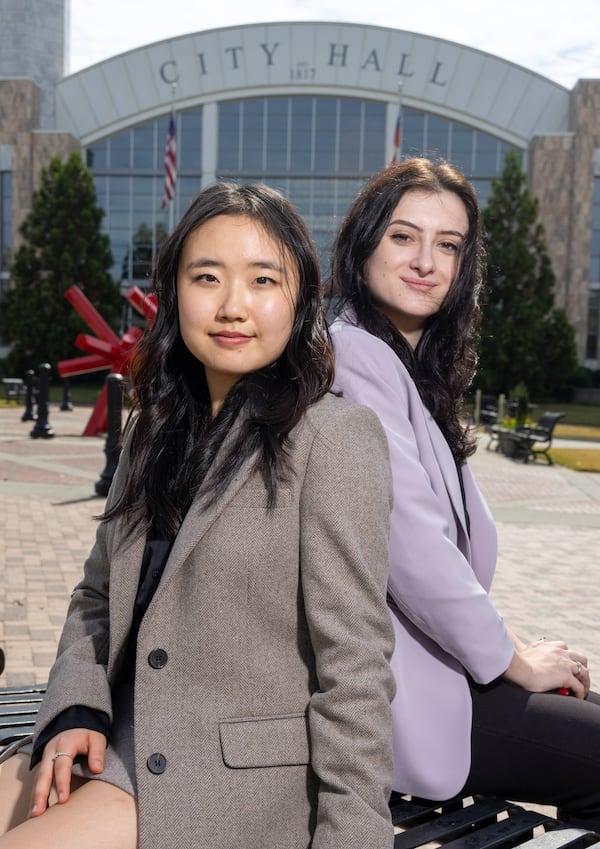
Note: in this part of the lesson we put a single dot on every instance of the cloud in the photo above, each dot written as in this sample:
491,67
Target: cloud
527,33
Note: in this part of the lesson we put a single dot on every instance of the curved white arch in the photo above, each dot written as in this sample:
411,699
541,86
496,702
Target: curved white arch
438,76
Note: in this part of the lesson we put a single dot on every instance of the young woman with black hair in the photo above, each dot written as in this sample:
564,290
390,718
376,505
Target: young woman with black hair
223,675
476,709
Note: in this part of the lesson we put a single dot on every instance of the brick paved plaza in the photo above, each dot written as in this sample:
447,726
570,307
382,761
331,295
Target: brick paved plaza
548,523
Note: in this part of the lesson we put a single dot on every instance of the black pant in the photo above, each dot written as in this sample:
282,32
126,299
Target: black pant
537,747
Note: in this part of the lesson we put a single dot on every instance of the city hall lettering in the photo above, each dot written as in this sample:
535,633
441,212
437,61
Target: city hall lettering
340,56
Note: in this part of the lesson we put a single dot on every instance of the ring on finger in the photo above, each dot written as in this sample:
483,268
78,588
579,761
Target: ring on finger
579,670
61,755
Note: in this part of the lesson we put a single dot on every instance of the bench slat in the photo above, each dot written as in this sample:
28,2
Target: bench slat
9,693
10,749
19,720
18,732
519,824
449,826
19,709
405,812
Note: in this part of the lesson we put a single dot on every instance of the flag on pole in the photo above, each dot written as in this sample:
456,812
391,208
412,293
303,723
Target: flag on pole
170,162
397,131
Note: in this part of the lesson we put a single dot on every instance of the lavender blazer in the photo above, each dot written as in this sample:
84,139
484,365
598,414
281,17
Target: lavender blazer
445,624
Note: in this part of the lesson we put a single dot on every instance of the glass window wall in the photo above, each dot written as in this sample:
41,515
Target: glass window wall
317,150
128,171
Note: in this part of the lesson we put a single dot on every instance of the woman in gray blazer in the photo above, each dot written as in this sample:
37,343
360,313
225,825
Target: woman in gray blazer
476,709
230,639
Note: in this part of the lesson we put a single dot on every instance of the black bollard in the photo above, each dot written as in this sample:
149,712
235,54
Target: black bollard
112,446
30,394
41,429
66,399
1,661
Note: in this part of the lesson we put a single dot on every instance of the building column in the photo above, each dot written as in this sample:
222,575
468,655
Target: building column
210,134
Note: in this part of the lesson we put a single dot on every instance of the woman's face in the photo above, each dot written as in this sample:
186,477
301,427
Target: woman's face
236,291
415,263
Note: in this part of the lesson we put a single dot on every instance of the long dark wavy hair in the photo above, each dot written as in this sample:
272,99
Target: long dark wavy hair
444,360
175,439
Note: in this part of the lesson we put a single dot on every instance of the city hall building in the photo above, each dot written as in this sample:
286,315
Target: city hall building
309,108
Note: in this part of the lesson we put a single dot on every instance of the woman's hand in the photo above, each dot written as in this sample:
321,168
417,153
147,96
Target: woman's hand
549,665
57,760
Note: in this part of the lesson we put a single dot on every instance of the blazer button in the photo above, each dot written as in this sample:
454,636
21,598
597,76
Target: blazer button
157,763
158,658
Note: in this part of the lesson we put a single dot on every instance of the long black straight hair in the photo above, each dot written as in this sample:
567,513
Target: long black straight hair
444,360
175,439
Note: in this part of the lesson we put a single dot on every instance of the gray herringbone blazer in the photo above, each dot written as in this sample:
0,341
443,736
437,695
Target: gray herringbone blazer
272,709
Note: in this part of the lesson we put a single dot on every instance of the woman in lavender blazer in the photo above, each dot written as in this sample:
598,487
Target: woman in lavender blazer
476,708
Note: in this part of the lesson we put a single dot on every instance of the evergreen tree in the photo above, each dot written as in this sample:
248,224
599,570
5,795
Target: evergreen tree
62,246
525,339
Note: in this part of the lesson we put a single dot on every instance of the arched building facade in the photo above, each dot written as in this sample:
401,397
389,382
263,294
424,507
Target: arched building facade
311,109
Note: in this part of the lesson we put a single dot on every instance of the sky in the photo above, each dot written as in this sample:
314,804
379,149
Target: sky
560,40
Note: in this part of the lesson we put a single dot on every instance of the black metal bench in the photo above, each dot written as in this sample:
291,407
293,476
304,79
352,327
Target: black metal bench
539,437
18,711
461,823
526,443
507,442
481,823
14,388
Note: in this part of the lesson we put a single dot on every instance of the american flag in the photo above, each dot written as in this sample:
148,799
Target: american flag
170,163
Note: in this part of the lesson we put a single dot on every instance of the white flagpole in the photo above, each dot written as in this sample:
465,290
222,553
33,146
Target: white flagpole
398,128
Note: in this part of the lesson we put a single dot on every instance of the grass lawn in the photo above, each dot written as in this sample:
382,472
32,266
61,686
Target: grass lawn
579,459
571,431
82,391
576,414
581,422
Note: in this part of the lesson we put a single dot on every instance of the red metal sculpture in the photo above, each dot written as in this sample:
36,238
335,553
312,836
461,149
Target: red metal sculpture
105,349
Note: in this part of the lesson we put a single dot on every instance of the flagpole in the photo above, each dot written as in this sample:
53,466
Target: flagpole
170,165
173,202
398,128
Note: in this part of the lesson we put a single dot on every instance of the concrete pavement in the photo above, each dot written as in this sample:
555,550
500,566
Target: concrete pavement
47,504
548,576
547,582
